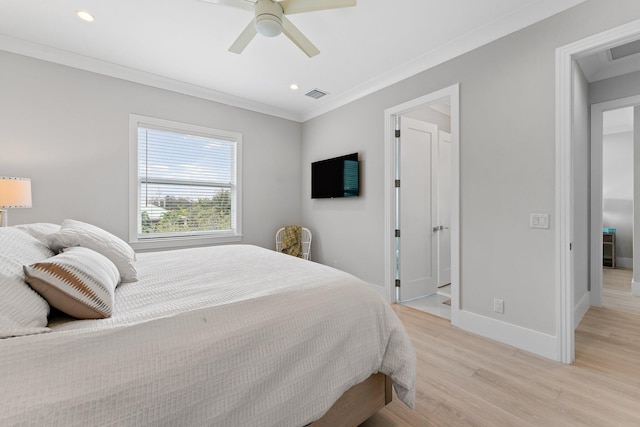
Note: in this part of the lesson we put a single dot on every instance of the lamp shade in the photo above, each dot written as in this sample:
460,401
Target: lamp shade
15,192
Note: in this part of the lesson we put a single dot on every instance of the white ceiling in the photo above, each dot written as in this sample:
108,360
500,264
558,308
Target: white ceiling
181,45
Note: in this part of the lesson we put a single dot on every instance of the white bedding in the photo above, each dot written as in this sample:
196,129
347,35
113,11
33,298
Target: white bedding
225,336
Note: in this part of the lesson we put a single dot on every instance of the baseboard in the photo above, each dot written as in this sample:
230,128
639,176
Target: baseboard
581,308
624,262
525,339
635,289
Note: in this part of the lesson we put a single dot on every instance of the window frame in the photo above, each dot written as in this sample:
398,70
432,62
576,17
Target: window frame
187,240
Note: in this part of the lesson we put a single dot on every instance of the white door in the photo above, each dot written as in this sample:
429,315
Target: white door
444,208
418,210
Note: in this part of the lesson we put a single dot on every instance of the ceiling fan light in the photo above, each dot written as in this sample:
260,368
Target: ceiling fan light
268,25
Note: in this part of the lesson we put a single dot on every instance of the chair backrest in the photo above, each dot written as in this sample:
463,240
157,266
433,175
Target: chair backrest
305,235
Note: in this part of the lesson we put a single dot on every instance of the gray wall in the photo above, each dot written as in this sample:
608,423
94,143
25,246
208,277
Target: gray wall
507,149
68,130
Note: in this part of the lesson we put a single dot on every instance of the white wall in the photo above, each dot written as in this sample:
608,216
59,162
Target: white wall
507,150
68,130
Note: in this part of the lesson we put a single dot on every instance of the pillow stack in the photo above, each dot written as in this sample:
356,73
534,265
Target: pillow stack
81,280
76,233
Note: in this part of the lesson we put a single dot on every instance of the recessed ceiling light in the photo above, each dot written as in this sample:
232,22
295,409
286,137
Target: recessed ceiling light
294,86
85,15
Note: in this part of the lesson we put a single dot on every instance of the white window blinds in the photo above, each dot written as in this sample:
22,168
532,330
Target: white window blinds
186,183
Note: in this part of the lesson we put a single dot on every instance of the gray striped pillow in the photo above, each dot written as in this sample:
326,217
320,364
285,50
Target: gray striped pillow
79,282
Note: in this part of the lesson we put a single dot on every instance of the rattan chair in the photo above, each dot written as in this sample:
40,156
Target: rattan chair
305,235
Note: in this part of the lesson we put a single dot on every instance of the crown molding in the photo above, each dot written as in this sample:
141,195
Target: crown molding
70,59
529,14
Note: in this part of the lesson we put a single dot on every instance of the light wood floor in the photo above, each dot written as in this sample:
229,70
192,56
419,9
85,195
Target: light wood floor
467,380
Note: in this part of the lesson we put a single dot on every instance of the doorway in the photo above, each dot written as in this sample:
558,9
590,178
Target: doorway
423,203
422,200
612,195
565,214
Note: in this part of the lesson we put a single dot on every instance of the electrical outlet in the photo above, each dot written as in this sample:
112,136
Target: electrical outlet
498,305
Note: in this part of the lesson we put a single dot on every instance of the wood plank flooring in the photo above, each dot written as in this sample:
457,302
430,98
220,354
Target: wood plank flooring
467,380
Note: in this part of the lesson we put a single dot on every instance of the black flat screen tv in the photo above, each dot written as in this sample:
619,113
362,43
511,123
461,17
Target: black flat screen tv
337,177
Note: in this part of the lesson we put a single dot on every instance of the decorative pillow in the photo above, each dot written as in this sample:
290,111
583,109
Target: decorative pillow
22,310
39,230
79,282
76,233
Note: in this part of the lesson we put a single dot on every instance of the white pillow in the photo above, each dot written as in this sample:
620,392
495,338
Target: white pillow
22,310
76,233
79,282
39,230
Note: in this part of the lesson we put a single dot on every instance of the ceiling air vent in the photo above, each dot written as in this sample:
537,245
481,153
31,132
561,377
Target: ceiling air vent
316,94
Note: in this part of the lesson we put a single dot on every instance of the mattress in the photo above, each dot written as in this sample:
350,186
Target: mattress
227,336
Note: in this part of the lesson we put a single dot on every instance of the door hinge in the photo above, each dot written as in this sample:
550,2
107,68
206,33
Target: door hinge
397,133
397,183
570,246
397,233
397,283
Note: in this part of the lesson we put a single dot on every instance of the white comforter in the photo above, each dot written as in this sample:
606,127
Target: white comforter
221,336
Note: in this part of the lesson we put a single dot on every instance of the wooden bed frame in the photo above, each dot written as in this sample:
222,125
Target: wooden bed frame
358,403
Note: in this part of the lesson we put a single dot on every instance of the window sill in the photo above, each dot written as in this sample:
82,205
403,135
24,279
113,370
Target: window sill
164,243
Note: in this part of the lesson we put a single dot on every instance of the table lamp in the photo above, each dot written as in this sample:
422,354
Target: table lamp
14,193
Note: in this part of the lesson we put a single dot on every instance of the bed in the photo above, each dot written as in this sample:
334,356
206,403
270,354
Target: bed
231,335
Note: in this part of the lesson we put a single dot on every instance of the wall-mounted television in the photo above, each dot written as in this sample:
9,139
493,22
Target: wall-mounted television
336,177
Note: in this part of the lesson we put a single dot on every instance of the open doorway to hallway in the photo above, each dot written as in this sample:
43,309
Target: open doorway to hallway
612,221
574,94
617,208
614,234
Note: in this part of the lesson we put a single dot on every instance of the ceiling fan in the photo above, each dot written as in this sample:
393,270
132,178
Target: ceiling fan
270,19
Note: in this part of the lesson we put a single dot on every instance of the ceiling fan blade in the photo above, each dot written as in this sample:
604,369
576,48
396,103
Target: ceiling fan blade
300,6
244,38
242,4
298,38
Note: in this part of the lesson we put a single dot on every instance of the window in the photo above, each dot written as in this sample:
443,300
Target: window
185,186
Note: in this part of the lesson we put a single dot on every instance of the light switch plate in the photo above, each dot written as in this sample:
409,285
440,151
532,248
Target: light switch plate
538,220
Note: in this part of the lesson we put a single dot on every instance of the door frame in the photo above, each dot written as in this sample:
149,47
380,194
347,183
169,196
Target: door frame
452,92
597,138
565,56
